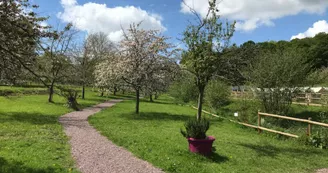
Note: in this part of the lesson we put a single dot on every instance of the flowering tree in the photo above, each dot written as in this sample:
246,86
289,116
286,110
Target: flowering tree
159,81
95,48
141,60
107,74
142,54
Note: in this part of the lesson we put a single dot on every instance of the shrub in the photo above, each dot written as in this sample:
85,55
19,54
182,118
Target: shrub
71,96
247,110
318,139
196,128
217,94
184,89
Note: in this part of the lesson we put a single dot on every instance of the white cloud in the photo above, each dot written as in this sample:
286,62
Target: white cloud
93,17
320,26
251,14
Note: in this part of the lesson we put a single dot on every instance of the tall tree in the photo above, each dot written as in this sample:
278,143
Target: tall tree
205,41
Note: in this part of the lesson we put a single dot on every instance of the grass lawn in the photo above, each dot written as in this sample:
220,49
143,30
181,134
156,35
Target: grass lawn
31,138
154,135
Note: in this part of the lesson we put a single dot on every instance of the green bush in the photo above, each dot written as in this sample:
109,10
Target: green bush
196,128
318,139
184,89
247,110
217,94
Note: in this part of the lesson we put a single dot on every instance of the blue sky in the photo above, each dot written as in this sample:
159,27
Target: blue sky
263,21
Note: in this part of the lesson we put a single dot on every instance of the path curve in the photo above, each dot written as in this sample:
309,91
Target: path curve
94,153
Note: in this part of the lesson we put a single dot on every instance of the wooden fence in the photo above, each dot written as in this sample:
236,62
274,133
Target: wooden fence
260,128
308,121
310,99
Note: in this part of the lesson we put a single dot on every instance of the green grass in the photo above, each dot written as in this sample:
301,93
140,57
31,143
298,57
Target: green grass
154,135
31,138
14,90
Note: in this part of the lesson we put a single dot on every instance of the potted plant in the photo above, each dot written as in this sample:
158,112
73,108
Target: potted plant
196,135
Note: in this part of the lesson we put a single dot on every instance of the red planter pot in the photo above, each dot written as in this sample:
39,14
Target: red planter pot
201,146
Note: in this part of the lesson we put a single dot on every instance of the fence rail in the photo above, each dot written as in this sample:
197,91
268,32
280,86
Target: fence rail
260,128
309,99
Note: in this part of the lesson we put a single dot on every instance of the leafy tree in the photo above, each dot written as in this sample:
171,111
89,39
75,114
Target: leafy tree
205,41
20,31
319,51
278,74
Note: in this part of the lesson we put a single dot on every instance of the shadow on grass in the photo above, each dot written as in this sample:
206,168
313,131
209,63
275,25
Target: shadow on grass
158,102
272,151
19,167
118,96
214,157
217,158
306,114
163,116
32,118
156,116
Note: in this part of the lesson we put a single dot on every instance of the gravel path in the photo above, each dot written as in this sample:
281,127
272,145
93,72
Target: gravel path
325,170
95,153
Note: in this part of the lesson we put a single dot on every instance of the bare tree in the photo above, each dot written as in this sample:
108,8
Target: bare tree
53,62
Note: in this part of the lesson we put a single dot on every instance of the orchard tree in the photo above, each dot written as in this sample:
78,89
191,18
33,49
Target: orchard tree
159,81
20,30
205,41
107,75
54,64
141,55
93,50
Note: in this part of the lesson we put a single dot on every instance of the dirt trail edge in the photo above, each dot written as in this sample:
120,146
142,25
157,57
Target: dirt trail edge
94,153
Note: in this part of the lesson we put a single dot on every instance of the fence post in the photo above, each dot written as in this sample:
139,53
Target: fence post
309,128
259,121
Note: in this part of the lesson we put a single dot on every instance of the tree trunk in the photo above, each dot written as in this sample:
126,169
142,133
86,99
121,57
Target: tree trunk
102,94
200,102
123,91
115,90
83,91
151,98
137,100
51,93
